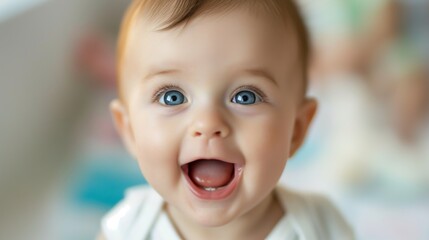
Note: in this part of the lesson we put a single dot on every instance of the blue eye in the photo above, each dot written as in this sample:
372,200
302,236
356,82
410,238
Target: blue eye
245,98
172,98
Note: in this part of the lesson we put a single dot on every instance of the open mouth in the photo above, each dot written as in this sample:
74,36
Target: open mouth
212,179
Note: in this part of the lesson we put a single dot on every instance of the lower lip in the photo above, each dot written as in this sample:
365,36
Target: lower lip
219,193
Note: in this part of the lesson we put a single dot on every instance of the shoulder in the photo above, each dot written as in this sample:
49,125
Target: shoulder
117,223
315,215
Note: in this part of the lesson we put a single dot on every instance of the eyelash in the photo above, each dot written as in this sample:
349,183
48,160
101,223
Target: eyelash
157,96
253,89
163,89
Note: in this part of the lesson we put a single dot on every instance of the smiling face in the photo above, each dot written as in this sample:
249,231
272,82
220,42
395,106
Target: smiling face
212,110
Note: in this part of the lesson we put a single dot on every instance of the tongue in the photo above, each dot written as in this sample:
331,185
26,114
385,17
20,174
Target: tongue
211,173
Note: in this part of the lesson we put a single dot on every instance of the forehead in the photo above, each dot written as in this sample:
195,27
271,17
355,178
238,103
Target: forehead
213,43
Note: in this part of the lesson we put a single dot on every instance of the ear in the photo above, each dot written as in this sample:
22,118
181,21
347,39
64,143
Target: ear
304,117
123,126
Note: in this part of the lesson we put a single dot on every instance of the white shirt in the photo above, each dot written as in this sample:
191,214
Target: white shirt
140,216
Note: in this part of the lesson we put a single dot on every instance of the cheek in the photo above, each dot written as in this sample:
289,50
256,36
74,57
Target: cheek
154,133
268,134
157,143
265,142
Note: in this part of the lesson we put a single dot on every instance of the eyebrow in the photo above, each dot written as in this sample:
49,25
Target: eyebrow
158,72
260,72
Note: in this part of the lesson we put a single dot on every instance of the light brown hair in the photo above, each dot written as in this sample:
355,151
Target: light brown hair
172,13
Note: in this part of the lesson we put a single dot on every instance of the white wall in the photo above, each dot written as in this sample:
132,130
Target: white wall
41,99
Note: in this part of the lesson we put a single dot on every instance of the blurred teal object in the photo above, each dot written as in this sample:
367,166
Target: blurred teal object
9,8
307,154
102,179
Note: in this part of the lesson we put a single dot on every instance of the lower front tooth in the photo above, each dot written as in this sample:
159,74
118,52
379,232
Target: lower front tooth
210,189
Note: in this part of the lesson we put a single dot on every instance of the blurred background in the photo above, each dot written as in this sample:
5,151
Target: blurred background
62,166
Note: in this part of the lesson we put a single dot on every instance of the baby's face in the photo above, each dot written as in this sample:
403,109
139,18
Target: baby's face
213,111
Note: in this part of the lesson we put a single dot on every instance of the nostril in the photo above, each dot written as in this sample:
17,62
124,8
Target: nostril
215,134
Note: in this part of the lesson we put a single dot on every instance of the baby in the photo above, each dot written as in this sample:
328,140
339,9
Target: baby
212,105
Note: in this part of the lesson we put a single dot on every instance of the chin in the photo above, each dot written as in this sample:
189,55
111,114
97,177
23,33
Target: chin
212,218
212,222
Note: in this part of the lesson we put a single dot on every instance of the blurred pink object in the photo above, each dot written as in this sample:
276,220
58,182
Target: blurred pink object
95,56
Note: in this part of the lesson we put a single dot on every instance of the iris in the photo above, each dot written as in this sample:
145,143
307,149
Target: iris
244,98
173,98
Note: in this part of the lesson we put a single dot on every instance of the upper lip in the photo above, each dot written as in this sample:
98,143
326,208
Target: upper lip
227,160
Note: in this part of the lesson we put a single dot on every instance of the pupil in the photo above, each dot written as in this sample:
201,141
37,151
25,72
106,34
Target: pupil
173,98
245,98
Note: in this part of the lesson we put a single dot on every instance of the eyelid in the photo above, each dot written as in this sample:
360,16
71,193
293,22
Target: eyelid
163,89
259,93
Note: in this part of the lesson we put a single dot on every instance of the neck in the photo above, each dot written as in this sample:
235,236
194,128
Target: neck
255,224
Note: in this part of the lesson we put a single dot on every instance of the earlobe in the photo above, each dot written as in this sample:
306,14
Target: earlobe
123,126
304,117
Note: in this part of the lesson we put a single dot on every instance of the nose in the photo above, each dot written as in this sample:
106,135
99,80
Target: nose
209,124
